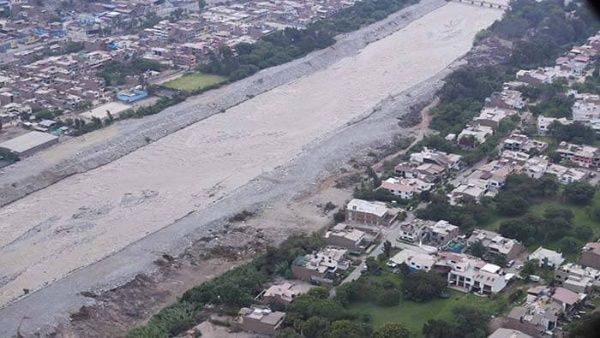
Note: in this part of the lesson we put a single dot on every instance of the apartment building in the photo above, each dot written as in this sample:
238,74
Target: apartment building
582,155
369,213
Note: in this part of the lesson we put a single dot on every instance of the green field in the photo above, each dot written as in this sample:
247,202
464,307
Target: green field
582,214
194,81
414,315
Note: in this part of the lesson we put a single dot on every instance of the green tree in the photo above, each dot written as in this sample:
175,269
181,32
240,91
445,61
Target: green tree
580,193
387,249
422,286
288,332
548,185
583,232
477,249
437,328
391,330
306,307
389,297
555,228
319,292
373,266
404,269
518,229
511,204
588,327
471,322
558,212
315,327
570,245
345,329
529,268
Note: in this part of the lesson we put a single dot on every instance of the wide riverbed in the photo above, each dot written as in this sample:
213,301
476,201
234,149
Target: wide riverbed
88,216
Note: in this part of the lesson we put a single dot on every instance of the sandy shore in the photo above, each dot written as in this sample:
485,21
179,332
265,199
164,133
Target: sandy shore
86,217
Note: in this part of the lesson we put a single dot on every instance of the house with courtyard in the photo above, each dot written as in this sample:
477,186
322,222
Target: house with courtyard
495,244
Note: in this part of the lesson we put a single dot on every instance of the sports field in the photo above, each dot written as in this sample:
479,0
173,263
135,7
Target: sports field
194,81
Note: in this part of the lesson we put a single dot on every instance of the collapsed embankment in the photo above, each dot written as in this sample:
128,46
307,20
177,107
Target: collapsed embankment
44,169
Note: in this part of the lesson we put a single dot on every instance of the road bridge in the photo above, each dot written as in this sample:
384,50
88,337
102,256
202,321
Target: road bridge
503,5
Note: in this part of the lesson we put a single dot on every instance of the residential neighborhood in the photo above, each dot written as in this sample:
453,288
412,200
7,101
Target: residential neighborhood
384,234
99,61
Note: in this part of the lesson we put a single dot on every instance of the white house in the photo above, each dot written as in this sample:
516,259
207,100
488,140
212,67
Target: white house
405,188
547,257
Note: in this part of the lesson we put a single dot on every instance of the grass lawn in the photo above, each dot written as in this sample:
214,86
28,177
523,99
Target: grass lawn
194,81
414,315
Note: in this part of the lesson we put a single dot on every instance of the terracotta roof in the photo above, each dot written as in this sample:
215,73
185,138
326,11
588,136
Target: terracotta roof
565,296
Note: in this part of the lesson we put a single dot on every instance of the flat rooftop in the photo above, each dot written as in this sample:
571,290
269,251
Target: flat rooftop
28,141
115,108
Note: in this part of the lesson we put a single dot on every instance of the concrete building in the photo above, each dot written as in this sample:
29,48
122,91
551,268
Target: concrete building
547,257
131,96
473,135
445,160
590,255
365,212
320,267
582,155
467,190
543,308
535,167
544,123
495,244
259,320
420,262
442,232
428,232
471,274
534,318
30,143
492,116
341,235
586,108
522,143
576,277
506,99
508,333
566,298
405,188
282,293
565,175
427,172
414,231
